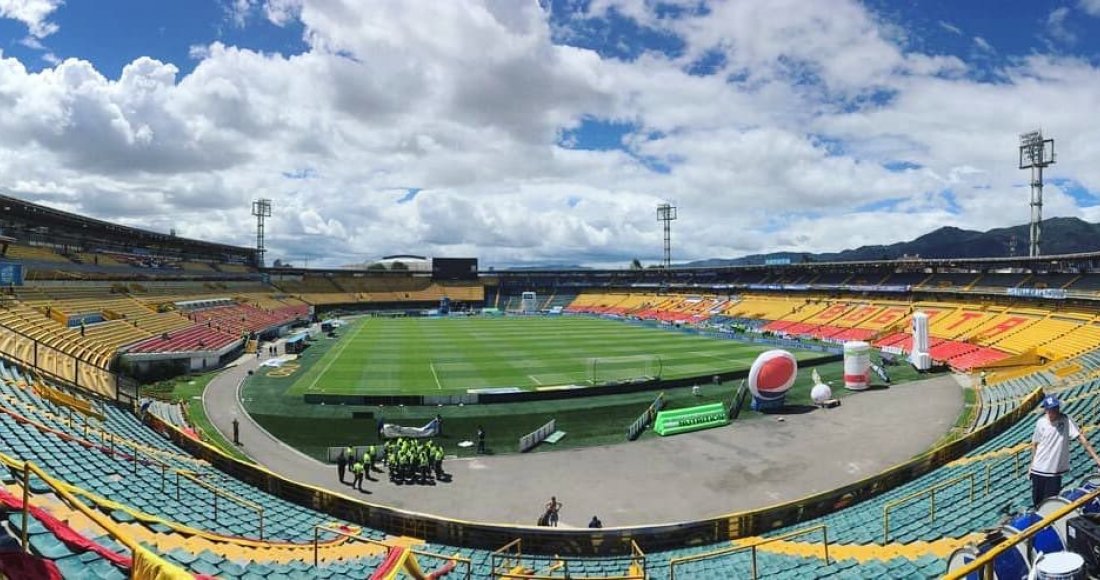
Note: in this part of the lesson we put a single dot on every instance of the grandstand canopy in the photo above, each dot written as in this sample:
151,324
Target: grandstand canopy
30,222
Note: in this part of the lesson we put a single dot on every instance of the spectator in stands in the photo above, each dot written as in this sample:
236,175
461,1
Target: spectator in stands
553,507
1050,450
595,523
341,466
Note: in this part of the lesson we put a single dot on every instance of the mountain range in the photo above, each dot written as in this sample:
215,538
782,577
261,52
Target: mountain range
1059,236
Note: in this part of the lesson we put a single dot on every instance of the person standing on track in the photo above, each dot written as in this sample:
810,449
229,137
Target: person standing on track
341,466
553,508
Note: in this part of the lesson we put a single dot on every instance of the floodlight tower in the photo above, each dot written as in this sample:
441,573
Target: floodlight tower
1035,154
667,213
261,208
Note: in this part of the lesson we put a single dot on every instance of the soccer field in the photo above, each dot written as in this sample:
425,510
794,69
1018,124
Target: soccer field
377,356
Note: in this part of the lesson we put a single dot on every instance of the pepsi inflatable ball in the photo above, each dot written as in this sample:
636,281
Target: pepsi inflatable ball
772,374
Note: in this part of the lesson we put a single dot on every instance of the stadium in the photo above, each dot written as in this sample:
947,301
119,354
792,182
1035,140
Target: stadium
109,474
299,289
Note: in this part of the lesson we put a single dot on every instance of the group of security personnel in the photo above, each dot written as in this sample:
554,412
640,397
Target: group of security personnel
413,460
408,461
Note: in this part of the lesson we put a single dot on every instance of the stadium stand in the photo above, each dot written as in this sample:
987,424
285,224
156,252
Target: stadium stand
33,254
185,533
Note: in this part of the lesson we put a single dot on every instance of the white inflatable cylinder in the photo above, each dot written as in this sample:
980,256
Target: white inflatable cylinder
919,356
857,365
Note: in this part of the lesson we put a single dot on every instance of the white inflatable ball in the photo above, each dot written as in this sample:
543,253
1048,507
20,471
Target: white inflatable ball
821,393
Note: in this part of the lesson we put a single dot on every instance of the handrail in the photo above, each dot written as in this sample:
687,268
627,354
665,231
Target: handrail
506,554
984,561
217,491
930,491
823,528
69,498
1015,455
503,552
328,528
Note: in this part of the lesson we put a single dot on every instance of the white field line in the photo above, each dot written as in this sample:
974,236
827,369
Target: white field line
537,382
717,356
437,383
347,341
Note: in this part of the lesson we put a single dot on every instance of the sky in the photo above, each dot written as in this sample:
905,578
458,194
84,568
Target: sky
548,131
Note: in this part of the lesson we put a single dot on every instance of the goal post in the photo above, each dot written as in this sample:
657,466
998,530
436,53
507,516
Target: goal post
622,369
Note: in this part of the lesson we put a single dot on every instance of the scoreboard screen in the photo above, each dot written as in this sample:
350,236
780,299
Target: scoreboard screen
454,268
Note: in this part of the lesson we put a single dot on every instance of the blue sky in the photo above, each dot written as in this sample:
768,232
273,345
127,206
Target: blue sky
541,132
113,33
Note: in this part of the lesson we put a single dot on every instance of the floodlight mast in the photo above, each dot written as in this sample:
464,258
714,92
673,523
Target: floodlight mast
1036,153
666,213
261,208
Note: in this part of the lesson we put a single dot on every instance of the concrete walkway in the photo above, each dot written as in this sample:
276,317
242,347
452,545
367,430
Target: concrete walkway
746,465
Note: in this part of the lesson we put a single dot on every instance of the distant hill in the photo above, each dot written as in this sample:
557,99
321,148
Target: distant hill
1060,236
547,266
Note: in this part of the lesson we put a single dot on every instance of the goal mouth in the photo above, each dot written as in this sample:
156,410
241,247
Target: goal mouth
637,368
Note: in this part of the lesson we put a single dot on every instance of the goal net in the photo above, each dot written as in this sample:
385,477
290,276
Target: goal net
622,369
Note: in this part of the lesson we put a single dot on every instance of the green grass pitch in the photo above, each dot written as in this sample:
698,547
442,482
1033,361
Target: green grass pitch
440,356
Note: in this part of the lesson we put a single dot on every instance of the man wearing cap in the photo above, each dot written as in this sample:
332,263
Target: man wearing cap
1050,450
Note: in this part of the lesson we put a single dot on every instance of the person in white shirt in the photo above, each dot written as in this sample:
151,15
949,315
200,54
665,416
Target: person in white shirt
1050,450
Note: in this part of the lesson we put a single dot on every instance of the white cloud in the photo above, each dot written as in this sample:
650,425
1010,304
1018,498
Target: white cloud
983,44
1056,25
33,13
238,10
1091,7
950,27
783,146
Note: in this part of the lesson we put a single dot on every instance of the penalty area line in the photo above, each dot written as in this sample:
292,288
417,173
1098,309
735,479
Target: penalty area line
335,357
438,385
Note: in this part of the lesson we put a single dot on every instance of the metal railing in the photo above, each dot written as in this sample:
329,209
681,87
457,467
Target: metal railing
823,528
218,492
26,469
928,491
459,560
505,560
1015,457
984,563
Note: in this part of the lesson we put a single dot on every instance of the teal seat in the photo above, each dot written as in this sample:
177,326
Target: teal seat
33,525
204,567
105,569
122,516
231,569
73,567
48,546
182,556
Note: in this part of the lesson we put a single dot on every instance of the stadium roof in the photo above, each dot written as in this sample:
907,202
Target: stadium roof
93,227
1053,262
